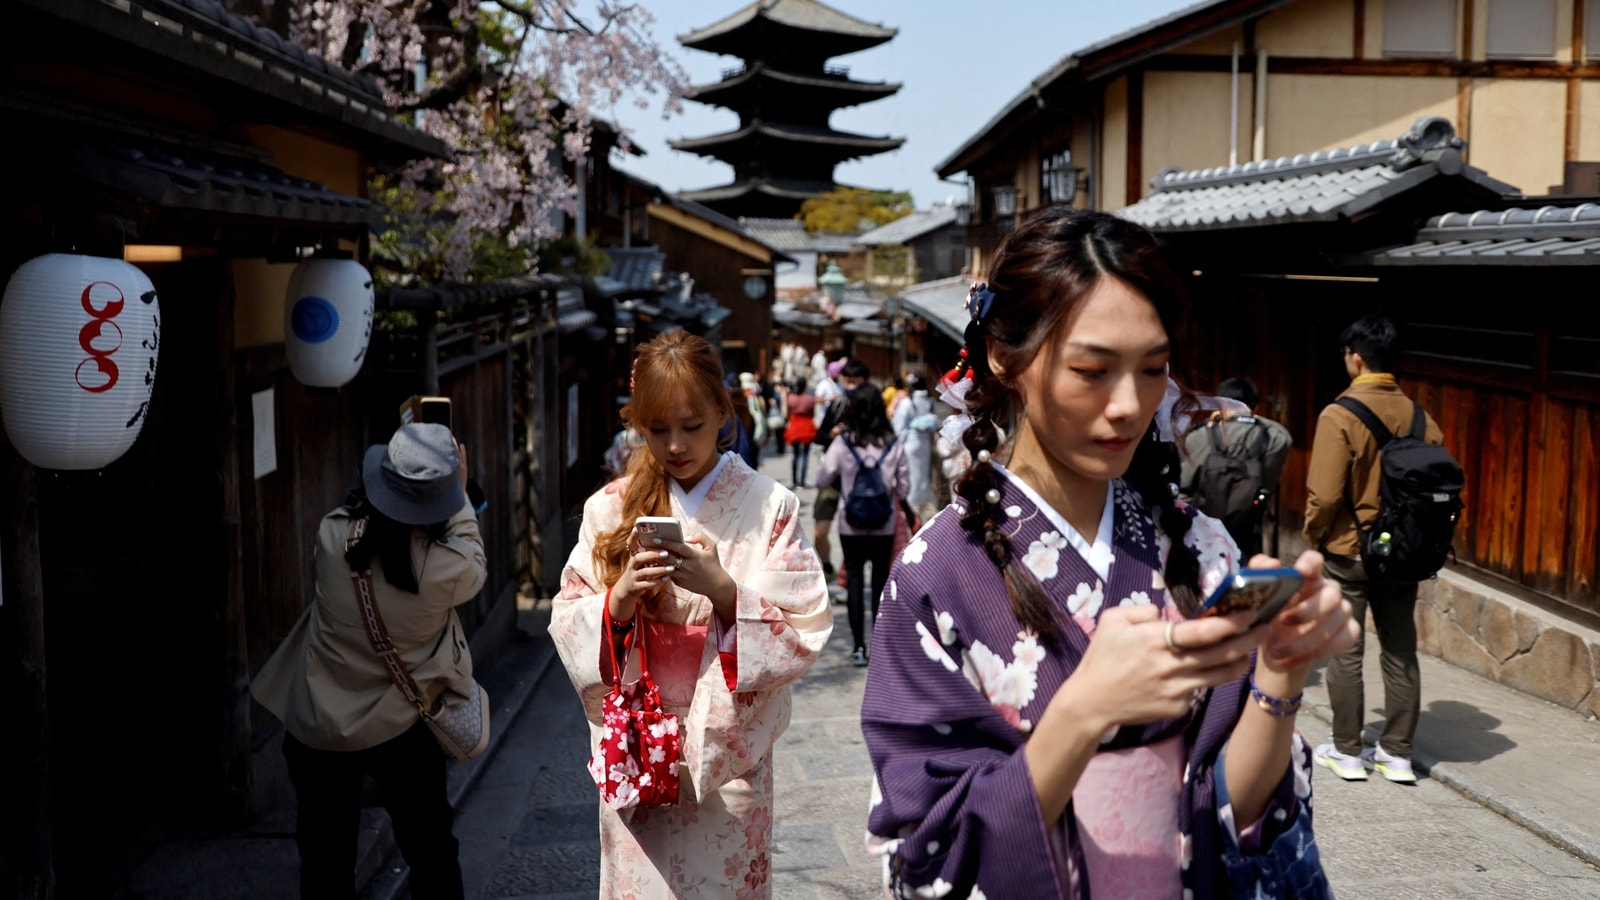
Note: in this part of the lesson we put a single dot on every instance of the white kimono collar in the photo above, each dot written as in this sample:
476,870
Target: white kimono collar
1098,556
689,501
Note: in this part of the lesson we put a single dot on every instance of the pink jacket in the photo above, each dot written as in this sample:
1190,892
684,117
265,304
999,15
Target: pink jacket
838,469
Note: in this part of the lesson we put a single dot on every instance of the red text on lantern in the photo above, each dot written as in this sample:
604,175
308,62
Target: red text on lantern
95,330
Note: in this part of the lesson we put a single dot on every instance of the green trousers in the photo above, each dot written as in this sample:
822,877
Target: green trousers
1393,608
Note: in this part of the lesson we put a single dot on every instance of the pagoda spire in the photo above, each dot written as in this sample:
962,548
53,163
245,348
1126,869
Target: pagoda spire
784,150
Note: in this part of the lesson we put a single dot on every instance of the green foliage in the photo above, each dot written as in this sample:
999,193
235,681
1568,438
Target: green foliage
569,256
854,210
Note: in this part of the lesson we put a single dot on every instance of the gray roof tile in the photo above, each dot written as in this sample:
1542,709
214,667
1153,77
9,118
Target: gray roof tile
1309,187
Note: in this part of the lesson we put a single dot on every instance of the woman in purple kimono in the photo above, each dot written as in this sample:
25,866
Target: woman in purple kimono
1043,718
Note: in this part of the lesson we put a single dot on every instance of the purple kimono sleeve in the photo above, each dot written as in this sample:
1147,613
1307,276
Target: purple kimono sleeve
954,805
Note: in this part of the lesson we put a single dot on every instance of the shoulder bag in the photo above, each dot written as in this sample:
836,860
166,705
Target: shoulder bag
636,763
461,724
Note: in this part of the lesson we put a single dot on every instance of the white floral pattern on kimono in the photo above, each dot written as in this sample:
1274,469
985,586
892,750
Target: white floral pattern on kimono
716,841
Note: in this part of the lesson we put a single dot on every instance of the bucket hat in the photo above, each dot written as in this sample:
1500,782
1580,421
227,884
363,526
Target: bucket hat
837,366
414,478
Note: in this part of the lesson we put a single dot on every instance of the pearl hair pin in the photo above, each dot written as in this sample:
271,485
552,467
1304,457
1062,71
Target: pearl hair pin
993,496
983,456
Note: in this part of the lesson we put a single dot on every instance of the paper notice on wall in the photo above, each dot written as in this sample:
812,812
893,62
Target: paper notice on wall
266,443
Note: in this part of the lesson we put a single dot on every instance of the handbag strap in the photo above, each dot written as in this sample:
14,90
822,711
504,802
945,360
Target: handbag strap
638,640
376,633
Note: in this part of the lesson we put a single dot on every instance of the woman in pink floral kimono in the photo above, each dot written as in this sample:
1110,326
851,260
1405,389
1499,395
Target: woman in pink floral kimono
731,616
1044,718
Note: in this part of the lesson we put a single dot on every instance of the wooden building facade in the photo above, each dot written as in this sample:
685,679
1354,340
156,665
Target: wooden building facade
139,599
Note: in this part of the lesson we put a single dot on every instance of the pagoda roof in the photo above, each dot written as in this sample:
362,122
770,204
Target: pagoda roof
787,189
828,91
845,144
737,34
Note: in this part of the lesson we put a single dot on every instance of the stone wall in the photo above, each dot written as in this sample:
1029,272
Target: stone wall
1468,623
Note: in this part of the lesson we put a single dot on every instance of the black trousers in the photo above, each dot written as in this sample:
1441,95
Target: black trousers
410,774
860,549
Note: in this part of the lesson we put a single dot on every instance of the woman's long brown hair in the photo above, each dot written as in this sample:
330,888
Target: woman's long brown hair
673,367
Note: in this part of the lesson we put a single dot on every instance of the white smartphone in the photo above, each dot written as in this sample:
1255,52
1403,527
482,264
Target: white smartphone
663,527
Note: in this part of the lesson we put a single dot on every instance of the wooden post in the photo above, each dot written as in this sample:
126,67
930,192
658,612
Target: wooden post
31,843
237,782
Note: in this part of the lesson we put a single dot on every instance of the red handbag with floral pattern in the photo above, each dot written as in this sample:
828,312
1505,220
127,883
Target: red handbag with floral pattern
636,763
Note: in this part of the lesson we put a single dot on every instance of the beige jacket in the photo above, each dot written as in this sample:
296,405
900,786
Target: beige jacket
1344,463
326,683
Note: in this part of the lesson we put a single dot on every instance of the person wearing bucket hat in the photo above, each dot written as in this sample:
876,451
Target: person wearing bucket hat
726,619
417,478
344,716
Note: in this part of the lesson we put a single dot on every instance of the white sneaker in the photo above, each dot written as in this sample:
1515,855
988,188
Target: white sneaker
1343,765
1394,768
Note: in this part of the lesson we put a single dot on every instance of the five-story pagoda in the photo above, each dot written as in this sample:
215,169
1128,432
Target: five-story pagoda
784,151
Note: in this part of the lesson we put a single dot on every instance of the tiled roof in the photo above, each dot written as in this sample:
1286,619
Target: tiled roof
634,270
802,134
772,187
834,243
204,36
212,181
1325,186
1521,236
825,83
943,303
683,201
786,235
911,227
805,14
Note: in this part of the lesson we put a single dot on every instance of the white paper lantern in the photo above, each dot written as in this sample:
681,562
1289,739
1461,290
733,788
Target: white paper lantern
327,321
79,339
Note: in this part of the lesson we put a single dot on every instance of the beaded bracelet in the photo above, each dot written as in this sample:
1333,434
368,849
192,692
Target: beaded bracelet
1274,706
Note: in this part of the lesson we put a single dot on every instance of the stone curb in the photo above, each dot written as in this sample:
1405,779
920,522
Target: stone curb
1460,779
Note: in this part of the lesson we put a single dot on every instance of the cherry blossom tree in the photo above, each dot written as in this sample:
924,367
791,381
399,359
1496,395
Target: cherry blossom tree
512,86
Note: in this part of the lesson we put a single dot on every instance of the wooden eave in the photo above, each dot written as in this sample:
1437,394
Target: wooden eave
1098,63
738,34
210,51
844,91
711,232
843,140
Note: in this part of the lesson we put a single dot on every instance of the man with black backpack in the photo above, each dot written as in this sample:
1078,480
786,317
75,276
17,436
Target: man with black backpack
1382,498
1231,465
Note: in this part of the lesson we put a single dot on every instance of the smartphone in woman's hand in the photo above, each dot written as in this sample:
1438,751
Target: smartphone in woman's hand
648,528
1262,590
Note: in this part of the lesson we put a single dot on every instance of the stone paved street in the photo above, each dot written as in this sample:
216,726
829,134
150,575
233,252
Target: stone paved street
528,829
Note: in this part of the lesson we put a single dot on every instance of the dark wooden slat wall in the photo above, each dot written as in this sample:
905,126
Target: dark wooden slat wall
1531,455
1583,523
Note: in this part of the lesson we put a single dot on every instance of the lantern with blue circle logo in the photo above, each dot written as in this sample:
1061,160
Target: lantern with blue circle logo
79,340
327,321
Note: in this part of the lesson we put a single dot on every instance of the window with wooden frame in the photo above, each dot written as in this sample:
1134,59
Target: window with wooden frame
1425,28
1591,29
1004,199
1522,29
1058,180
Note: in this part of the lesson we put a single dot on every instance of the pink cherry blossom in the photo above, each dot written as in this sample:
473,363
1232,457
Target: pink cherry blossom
512,86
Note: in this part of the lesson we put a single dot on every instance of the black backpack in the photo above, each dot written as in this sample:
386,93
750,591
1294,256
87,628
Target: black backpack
1230,485
1419,501
869,505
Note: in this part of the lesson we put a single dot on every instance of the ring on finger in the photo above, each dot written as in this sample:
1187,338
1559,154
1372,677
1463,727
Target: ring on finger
677,562
1172,644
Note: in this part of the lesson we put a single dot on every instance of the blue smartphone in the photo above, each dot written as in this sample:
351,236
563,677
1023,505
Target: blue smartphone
1263,590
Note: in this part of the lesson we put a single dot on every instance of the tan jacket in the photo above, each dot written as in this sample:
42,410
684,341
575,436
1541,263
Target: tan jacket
1344,464
326,683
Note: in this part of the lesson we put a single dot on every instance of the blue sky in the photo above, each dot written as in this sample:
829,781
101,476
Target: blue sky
958,66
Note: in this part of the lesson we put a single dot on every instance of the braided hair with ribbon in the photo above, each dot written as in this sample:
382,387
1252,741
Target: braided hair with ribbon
1041,272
